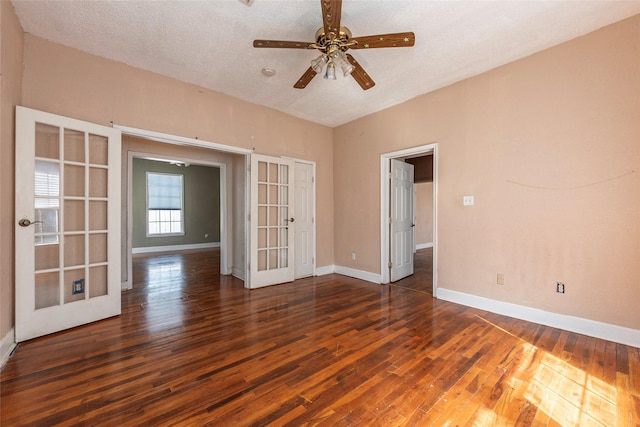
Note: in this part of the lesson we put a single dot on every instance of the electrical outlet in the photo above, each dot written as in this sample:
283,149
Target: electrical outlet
353,256
560,288
206,235
467,200
500,279
77,287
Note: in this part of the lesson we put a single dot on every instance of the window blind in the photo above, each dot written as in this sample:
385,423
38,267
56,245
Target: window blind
164,191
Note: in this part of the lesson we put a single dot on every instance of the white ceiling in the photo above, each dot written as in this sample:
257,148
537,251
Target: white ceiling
209,43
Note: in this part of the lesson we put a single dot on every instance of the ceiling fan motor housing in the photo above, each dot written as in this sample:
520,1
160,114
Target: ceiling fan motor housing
342,41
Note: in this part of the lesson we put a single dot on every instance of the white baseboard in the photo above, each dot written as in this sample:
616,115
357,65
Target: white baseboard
358,274
606,331
424,245
7,345
238,272
171,248
327,269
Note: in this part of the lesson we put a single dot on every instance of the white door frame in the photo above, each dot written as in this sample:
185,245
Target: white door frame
226,245
189,142
385,162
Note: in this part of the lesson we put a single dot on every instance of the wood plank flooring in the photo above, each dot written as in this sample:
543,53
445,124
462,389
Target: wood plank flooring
422,279
194,348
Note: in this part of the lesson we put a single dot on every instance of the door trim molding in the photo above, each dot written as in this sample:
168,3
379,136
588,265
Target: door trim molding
180,140
385,162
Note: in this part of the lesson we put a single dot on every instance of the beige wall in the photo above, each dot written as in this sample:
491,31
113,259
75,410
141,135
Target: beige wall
11,45
424,212
550,148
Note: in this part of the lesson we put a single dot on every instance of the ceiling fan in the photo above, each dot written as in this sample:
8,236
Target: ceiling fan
333,41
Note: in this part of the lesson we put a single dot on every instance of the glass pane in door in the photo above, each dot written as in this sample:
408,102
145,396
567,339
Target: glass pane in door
47,141
98,149
73,146
47,289
272,216
98,281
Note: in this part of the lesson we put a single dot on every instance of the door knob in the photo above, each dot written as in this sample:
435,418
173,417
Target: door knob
24,222
289,220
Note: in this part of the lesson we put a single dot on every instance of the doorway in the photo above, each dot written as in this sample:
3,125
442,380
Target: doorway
385,207
235,177
232,162
184,216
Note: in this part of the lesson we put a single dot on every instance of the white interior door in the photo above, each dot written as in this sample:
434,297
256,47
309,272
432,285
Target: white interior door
401,235
67,223
272,221
304,208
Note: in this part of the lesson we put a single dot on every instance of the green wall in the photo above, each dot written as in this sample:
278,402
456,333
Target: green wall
201,204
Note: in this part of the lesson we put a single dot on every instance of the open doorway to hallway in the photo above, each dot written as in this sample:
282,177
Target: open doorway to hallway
425,220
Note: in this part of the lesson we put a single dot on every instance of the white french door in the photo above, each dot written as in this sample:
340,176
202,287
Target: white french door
401,233
272,221
67,228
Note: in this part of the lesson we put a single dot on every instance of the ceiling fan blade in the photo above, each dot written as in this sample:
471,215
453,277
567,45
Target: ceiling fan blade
282,44
305,79
331,12
360,75
407,39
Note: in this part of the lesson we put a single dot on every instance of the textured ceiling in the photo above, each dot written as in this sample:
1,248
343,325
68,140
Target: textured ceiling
209,43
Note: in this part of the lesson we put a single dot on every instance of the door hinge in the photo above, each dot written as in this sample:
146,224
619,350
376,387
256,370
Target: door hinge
390,220
313,179
313,220
390,264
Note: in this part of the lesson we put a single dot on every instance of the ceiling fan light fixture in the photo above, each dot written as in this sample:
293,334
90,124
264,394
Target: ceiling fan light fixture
347,68
330,74
345,65
318,63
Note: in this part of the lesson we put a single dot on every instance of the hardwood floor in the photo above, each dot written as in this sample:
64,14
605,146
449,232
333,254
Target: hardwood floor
422,278
195,348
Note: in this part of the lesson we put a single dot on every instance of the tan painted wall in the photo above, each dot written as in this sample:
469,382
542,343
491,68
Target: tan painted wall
11,45
424,212
550,148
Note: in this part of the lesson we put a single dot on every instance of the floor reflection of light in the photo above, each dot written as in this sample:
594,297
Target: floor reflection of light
569,395
564,393
166,282
166,275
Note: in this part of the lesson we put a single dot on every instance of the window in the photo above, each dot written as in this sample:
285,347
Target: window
47,202
164,204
